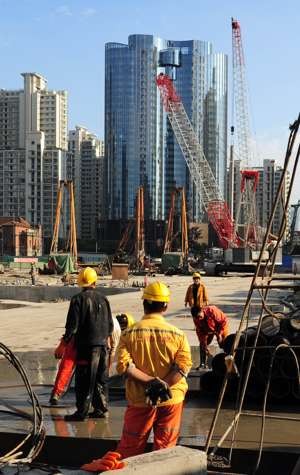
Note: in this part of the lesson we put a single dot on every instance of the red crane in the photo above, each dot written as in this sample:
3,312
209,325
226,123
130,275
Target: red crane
201,173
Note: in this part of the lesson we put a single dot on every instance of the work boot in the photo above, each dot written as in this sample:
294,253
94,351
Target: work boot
97,414
203,358
76,416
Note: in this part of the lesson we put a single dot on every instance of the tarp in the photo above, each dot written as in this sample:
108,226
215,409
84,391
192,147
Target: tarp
62,263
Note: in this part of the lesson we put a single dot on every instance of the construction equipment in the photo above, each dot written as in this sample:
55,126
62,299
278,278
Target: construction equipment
293,239
134,232
71,245
200,170
183,224
245,219
139,229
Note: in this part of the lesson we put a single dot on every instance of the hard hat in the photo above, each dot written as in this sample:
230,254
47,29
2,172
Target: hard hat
196,275
156,292
125,320
87,277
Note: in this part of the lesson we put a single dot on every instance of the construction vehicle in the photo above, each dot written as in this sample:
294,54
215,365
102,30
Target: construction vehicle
176,259
64,260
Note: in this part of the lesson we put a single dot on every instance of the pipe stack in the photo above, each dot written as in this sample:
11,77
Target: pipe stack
284,380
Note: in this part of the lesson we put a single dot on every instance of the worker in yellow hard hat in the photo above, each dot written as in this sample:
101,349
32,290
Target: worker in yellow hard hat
155,357
125,320
89,324
196,295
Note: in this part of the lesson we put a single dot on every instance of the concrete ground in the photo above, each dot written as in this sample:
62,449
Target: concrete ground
33,331
38,326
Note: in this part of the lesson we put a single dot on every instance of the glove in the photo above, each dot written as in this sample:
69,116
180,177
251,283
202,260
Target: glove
60,349
157,391
110,461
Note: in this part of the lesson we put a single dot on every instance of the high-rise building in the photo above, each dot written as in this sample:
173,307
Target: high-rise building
33,144
140,146
85,168
269,178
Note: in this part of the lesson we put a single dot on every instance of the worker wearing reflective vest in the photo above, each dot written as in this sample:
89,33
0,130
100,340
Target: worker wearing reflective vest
196,294
209,321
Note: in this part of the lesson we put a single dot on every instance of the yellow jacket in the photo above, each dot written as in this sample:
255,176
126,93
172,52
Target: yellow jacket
154,346
202,296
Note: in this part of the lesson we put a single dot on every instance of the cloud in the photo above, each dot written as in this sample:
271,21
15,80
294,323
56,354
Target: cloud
88,12
63,10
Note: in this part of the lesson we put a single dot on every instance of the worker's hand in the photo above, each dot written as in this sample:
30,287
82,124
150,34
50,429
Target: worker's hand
60,349
157,391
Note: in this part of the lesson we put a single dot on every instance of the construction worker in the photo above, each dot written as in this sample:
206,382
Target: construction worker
125,320
89,322
196,294
155,356
209,321
113,341
32,273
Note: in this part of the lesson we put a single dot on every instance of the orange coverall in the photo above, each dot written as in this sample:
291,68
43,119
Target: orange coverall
214,322
155,347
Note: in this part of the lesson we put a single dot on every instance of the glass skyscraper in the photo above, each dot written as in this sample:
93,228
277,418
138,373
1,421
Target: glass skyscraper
140,147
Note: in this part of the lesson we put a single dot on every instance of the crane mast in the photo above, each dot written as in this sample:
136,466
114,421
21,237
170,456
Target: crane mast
200,170
245,217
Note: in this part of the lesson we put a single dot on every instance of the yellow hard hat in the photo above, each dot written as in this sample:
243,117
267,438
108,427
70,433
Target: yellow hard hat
87,277
156,292
196,275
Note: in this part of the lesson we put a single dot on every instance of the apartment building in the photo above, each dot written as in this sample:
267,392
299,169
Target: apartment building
33,145
85,167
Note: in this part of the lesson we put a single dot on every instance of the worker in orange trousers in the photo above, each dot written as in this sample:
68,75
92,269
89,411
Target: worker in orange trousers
196,294
155,357
209,321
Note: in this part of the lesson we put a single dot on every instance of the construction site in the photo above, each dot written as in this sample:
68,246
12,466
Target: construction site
241,414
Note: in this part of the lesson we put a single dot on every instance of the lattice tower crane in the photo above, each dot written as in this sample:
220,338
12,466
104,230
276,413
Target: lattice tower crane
246,216
200,170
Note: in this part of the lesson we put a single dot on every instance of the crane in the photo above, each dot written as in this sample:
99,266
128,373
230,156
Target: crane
134,228
212,200
71,245
245,218
184,229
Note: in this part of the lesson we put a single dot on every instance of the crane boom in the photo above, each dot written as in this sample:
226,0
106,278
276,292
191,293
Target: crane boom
200,170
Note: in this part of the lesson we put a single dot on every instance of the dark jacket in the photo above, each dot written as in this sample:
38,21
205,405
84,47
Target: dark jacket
89,319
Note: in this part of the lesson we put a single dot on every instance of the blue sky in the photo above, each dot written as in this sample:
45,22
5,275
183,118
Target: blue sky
64,41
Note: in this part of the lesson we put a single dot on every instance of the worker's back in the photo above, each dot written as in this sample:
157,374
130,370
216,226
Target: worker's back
154,346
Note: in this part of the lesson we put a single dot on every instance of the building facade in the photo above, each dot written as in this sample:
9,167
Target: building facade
85,167
33,144
140,146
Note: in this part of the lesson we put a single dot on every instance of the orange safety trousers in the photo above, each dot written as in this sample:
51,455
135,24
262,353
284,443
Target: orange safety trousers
138,422
66,369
